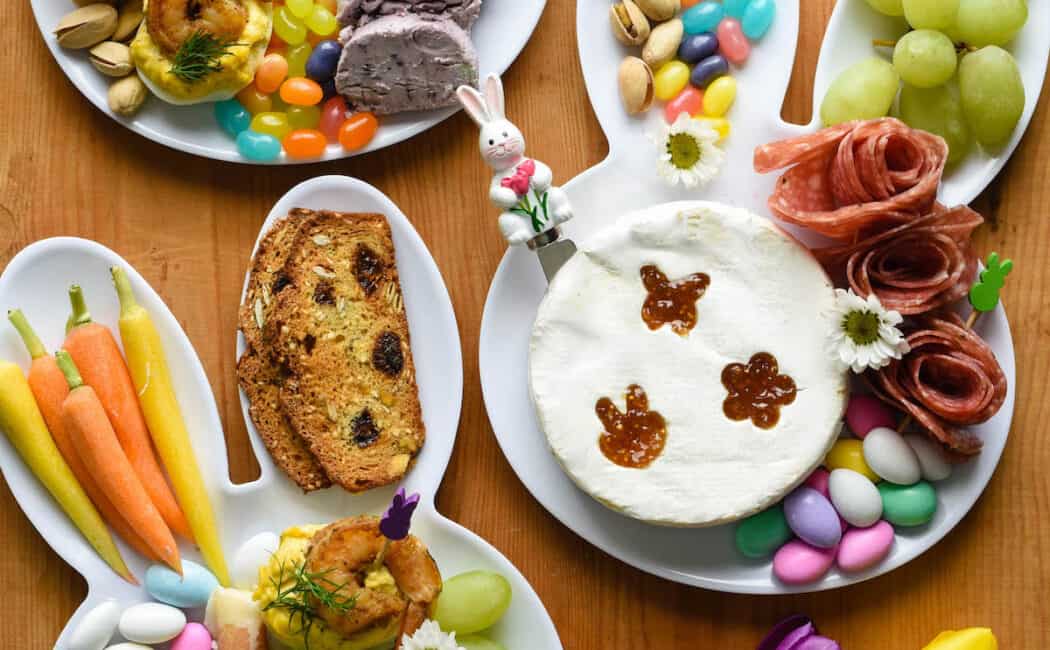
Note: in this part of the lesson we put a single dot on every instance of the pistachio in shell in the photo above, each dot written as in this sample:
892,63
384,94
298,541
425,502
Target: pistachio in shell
629,24
636,85
663,42
128,20
659,10
87,26
127,95
111,58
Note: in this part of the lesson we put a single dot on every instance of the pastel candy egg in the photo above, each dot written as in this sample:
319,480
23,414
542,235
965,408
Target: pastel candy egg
194,637
864,413
731,41
670,79
973,638
703,17
758,17
849,454
690,101
697,47
708,70
129,646
719,96
798,563
735,8
818,480
151,623
889,456
96,628
191,589
862,548
812,517
932,464
908,505
254,553
761,534
856,499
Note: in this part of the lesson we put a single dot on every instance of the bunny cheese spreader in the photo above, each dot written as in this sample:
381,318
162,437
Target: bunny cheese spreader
522,187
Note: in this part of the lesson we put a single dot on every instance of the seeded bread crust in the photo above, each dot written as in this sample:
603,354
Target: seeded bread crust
340,329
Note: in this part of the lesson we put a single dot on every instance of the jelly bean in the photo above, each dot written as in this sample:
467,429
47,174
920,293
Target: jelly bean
864,413
849,454
290,29
358,130
670,79
152,622
313,38
931,457
758,17
333,114
301,91
889,456
194,637
908,505
321,21
244,570
697,47
855,498
298,55
688,3
232,116
271,72
703,17
760,535
273,124
191,589
96,628
328,86
304,143
818,480
689,101
735,8
323,61
863,548
731,41
708,70
719,124
972,638
258,146
719,96
812,517
303,117
300,8
798,563
255,100
330,5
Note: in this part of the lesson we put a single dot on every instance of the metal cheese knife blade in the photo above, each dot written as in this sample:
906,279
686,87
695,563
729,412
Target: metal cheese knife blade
552,250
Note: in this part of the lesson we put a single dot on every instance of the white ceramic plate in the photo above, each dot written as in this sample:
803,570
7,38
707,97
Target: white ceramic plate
627,181
36,280
499,36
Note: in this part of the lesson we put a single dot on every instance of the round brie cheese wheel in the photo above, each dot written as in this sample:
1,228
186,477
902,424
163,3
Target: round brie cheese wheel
765,294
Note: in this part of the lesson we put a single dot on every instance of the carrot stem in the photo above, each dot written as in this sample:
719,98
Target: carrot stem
80,315
124,292
29,337
69,369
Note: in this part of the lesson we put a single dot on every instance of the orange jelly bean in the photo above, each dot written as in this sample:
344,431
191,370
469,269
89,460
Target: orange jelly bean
689,3
271,73
330,5
305,143
301,91
255,100
358,130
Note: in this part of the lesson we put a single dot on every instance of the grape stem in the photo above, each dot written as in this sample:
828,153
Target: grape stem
883,42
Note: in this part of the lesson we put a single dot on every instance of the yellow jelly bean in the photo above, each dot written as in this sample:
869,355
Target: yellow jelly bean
719,96
275,124
849,454
719,124
974,638
670,79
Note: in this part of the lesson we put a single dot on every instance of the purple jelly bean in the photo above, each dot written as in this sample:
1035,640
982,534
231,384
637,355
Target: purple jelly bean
708,70
812,517
697,47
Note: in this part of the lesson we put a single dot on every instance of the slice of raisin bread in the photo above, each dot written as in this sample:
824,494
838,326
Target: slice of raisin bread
340,328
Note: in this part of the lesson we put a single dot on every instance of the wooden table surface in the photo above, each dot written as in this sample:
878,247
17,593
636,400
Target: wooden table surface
188,226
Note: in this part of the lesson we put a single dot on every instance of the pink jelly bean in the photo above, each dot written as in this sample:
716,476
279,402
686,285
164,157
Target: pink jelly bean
798,563
690,100
866,412
862,548
732,44
818,480
193,637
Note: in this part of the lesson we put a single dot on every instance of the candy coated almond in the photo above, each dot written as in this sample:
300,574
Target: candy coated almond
818,480
864,413
889,456
849,454
862,548
798,563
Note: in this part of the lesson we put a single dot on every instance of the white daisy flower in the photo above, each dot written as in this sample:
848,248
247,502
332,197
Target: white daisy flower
430,637
866,333
689,154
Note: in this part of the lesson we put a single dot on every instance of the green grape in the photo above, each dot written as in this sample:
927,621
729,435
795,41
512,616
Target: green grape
992,94
472,602
924,58
475,642
930,14
990,22
888,7
863,91
938,111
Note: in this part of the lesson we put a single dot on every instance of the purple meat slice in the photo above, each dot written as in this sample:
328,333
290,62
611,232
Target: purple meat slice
357,13
404,63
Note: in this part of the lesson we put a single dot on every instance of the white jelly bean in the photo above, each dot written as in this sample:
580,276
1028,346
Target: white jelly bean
96,627
856,499
151,623
890,457
931,459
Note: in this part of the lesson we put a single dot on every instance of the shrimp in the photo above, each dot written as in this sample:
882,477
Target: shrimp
346,550
171,22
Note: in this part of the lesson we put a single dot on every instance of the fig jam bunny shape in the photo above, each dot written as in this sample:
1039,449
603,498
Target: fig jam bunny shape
633,438
672,301
757,390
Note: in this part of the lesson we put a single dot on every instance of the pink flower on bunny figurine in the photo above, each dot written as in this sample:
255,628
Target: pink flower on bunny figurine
521,187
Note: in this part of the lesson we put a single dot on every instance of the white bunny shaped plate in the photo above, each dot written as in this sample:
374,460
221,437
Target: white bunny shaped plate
35,281
627,181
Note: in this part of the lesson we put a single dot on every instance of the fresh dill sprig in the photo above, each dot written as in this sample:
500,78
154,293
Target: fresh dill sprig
303,589
200,55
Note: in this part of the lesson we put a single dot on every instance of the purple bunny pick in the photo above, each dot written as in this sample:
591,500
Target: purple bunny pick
397,519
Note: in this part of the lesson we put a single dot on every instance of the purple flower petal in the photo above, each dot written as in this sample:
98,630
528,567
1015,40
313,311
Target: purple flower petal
782,629
397,519
798,636
817,643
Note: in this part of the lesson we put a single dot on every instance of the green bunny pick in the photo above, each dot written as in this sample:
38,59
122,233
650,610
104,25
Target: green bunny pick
984,294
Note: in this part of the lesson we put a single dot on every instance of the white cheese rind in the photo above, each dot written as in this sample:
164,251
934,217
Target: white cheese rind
767,294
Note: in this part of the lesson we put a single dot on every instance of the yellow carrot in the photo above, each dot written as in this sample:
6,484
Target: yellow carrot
149,371
25,428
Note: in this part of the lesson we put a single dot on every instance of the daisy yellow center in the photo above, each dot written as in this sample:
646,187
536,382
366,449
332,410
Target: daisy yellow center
684,150
861,326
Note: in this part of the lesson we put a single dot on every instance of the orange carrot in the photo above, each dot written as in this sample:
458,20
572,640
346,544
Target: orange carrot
96,354
96,443
50,389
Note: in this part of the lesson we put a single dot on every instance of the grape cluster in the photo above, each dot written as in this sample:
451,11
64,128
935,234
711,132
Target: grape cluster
958,81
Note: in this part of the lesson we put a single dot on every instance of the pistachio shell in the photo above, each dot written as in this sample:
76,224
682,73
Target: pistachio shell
663,43
629,24
87,26
636,85
659,9
111,59
128,20
127,95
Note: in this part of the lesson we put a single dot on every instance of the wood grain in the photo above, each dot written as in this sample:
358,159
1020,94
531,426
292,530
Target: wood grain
188,225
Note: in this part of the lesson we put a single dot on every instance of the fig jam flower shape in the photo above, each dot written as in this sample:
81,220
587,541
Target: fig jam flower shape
866,333
397,519
757,390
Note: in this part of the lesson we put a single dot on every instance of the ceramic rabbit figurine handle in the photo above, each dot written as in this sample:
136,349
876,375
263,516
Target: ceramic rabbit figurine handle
521,187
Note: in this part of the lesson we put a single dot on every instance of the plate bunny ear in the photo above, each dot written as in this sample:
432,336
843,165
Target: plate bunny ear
494,96
474,104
